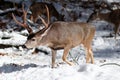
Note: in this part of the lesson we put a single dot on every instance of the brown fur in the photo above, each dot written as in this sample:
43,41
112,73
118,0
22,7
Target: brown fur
61,35
65,35
39,8
112,17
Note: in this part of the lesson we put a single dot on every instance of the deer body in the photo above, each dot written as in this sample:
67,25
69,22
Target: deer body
39,8
64,35
111,17
60,33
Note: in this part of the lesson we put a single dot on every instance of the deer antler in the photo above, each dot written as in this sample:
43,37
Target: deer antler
43,21
24,24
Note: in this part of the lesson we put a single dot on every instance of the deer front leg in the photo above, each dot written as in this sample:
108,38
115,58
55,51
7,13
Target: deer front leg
65,54
53,58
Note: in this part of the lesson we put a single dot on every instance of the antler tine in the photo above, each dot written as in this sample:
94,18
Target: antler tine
24,24
48,14
19,23
24,14
29,29
43,21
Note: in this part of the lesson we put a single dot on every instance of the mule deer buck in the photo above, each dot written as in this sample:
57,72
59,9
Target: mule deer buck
61,35
38,9
111,17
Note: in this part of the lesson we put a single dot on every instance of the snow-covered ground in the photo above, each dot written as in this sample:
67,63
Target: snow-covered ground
20,64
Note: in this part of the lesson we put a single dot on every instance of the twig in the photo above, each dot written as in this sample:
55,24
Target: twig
110,64
73,58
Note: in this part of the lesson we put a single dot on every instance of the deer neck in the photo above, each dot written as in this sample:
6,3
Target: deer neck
43,40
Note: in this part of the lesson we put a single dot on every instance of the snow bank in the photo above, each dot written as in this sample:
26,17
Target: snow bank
81,72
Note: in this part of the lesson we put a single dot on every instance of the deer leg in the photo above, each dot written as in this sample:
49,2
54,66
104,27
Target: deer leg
53,58
31,18
91,55
65,54
87,53
87,57
116,29
35,17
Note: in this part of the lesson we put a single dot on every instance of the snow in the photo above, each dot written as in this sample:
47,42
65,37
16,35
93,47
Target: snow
15,38
20,64
81,72
113,0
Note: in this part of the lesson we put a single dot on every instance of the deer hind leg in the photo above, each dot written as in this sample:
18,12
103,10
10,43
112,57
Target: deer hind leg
53,58
89,55
65,54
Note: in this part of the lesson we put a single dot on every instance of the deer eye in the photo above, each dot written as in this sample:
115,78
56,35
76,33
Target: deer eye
33,39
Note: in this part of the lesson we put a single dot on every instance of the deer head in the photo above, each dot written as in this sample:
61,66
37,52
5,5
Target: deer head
107,16
32,39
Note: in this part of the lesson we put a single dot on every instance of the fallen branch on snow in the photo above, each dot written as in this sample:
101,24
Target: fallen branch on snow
110,64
